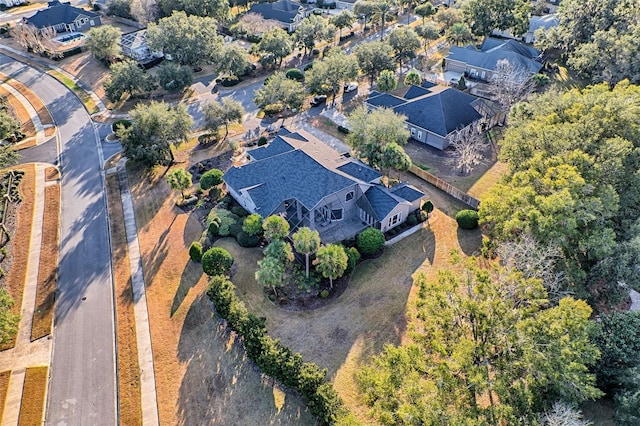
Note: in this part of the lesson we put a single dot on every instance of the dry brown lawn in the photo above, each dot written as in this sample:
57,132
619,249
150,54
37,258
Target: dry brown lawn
48,269
18,246
128,367
202,374
34,100
51,173
5,376
88,70
26,125
488,179
33,396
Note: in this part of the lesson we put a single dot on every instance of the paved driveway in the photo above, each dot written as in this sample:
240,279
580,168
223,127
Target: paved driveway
82,388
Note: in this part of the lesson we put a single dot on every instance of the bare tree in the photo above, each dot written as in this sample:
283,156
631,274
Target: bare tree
145,11
253,23
562,414
39,41
469,148
534,260
510,84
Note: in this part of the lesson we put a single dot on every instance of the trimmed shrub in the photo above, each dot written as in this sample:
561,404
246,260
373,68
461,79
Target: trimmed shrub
344,130
370,241
353,256
273,109
216,261
123,124
229,81
246,240
422,216
252,38
467,219
262,141
294,74
195,251
427,206
213,229
234,229
239,210
324,294
308,66
412,220
252,224
211,178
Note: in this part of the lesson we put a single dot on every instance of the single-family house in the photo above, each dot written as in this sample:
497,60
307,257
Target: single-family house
134,45
535,23
345,4
286,13
63,17
310,184
434,113
10,3
482,63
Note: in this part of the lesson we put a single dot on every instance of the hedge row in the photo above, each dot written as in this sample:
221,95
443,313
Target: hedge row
273,358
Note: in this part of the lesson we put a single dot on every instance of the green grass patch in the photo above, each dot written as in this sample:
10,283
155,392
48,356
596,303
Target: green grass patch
89,104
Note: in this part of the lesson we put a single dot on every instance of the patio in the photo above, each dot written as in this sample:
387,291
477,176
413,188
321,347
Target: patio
336,231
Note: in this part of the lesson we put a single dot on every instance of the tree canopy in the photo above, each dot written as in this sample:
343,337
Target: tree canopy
279,89
276,45
484,16
102,42
573,181
313,29
223,113
128,78
155,127
374,57
189,40
329,74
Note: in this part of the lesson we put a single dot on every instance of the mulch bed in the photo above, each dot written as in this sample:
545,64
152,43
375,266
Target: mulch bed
33,396
309,301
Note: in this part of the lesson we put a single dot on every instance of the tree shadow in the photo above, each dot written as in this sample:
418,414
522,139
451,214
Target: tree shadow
190,277
192,228
221,386
470,241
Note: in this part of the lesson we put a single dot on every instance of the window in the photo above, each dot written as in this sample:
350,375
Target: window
419,135
349,196
413,131
336,214
395,219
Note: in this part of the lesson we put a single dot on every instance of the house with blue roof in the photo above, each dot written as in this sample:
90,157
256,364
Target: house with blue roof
310,184
482,63
63,17
285,13
434,113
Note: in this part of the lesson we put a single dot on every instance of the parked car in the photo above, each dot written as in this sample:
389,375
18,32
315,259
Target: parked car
350,87
318,99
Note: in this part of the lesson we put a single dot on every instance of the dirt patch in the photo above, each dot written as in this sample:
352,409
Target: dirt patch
19,221
128,367
4,387
33,396
48,269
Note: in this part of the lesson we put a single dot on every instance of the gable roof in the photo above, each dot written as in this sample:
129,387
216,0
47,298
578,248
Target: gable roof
57,13
416,91
544,21
381,201
407,192
359,171
283,10
441,112
275,147
384,100
493,50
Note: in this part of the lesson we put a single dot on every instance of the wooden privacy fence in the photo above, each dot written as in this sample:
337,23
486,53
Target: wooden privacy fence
456,193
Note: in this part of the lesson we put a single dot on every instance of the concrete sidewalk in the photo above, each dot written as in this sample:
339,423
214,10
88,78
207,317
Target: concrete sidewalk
143,333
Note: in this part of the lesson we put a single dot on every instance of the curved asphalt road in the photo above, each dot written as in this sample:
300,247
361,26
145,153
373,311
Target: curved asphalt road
82,389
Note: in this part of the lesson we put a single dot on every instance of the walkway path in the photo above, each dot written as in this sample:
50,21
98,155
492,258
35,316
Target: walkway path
143,333
26,353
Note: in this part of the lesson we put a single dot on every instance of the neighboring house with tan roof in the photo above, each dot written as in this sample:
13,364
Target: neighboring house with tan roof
63,17
434,113
309,184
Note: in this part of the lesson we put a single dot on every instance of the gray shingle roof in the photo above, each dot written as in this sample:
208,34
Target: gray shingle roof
384,100
381,201
416,92
57,13
292,174
407,192
277,146
283,10
441,113
493,50
359,171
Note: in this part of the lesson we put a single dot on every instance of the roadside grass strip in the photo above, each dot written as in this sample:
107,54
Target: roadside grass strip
48,269
18,245
128,367
34,100
26,125
4,387
33,396
84,97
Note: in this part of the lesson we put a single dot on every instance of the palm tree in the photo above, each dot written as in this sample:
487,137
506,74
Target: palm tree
382,9
271,273
459,34
331,261
343,20
306,242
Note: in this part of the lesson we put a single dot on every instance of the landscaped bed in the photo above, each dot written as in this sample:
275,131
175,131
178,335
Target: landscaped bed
5,376
33,396
48,269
